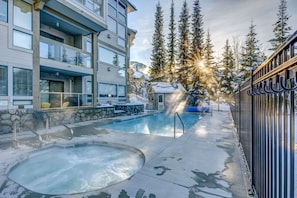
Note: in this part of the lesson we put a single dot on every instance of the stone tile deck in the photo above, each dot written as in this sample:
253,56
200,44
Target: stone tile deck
205,162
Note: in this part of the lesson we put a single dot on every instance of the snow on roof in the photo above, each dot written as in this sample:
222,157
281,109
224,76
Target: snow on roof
137,74
165,87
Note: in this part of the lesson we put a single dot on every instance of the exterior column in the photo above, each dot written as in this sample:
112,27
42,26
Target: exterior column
95,61
36,59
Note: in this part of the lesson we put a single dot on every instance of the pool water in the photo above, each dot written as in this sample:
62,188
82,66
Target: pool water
157,124
76,169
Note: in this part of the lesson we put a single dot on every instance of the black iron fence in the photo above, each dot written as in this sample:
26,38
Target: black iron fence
265,115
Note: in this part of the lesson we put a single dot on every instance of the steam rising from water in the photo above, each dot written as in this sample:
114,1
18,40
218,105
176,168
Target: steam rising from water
76,169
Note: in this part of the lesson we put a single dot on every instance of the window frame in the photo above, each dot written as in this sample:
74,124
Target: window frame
5,81
26,84
4,14
119,91
107,93
20,24
14,43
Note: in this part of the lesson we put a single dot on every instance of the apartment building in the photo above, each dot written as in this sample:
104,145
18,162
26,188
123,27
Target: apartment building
63,53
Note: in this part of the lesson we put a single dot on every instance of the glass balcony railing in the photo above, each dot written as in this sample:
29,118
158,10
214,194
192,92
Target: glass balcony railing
65,100
95,6
60,52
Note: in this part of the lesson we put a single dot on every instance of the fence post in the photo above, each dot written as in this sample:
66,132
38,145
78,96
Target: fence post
252,128
15,142
46,128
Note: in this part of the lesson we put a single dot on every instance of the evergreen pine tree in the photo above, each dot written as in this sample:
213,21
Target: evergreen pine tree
281,29
251,56
227,74
130,82
197,31
209,64
184,46
171,52
158,56
198,86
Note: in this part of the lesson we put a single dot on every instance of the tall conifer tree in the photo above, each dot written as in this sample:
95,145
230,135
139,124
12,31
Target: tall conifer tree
171,48
209,64
184,46
227,75
281,28
252,57
158,56
197,31
197,49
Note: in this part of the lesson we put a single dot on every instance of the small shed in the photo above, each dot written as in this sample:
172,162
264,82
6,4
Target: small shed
162,95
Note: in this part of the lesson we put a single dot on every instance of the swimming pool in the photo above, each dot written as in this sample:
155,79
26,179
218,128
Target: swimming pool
156,124
76,169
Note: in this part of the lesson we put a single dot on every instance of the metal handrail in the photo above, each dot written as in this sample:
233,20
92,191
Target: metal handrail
15,141
67,127
40,139
176,114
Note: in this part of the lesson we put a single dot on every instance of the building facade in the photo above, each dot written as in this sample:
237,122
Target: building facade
63,53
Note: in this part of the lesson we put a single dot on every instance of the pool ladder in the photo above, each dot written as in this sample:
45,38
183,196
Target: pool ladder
176,114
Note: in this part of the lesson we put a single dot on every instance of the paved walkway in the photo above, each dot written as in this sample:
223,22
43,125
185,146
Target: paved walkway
205,162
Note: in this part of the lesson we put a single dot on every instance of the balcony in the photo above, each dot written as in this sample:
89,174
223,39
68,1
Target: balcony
63,53
94,6
89,15
49,100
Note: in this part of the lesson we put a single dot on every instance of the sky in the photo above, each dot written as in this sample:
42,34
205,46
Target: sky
225,19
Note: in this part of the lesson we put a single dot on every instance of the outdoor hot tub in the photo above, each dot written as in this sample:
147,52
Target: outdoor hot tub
76,168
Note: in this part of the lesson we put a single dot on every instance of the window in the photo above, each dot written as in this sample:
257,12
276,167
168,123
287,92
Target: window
112,11
108,56
22,14
22,82
121,42
121,91
122,17
122,8
113,3
107,90
21,39
117,20
122,12
112,25
121,61
89,46
3,10
160,98
121,31
89,87
122,73
3,81
22,18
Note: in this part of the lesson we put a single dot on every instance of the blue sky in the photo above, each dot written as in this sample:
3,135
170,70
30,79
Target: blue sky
225,19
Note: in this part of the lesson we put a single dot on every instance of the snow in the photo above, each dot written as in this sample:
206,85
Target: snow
164,87
138,74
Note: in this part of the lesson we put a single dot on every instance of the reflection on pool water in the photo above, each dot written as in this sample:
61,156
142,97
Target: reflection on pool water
75,169
157,124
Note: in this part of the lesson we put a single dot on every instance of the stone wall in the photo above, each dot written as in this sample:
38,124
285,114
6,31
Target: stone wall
30,119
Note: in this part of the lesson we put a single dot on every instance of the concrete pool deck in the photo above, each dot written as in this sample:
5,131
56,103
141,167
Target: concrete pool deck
204,162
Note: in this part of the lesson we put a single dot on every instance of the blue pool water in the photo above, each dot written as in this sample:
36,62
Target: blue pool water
157,124
76,169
